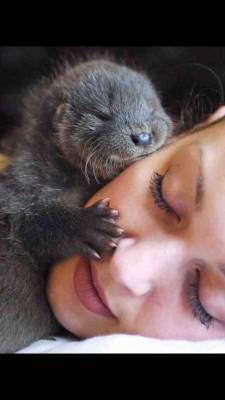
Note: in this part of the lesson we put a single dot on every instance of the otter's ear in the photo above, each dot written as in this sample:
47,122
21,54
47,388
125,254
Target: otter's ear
59,114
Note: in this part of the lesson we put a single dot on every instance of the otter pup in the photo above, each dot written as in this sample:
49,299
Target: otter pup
81,128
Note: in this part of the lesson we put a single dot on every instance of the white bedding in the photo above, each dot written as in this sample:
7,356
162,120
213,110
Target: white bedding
123,343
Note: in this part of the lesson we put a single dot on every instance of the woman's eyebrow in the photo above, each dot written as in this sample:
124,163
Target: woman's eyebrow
200,184
200,191
200,195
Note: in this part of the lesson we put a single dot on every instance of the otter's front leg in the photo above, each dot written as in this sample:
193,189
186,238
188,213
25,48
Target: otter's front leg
57,230
97,232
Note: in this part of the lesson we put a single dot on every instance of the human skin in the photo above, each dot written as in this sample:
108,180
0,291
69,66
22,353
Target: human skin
145,279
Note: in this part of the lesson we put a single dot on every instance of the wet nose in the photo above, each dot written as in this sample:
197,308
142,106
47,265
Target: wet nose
141,139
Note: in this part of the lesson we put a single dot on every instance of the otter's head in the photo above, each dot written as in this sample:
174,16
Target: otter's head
110,117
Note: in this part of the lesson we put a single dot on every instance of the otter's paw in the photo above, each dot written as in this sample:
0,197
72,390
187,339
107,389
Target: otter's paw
99,233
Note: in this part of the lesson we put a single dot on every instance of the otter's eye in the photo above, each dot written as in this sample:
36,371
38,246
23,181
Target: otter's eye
102,116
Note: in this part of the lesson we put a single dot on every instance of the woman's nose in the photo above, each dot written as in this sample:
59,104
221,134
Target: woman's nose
144,265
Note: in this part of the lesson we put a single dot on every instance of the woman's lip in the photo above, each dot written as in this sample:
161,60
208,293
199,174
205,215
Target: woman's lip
98,287
89,291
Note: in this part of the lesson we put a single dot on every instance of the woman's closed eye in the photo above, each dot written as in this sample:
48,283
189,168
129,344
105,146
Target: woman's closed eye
195,304
155,187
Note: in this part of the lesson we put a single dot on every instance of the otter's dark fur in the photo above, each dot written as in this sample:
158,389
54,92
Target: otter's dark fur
81,128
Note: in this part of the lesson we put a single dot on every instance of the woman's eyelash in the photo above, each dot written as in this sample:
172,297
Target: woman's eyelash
197,308
155,187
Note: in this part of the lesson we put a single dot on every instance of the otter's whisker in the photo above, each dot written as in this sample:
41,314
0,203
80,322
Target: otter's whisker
93,152
85,149
96,163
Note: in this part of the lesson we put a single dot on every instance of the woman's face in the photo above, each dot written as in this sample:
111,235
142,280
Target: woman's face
166,278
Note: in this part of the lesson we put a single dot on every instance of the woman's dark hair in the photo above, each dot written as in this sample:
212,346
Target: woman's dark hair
190,92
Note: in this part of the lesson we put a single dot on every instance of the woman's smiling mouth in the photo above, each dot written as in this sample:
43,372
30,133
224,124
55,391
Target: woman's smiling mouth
89,291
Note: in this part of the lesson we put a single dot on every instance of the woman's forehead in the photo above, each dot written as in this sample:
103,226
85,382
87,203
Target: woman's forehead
202,132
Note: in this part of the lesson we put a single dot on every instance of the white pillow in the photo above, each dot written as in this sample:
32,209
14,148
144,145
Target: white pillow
123,343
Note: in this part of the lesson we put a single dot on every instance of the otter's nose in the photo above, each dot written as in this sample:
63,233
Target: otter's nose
141,139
